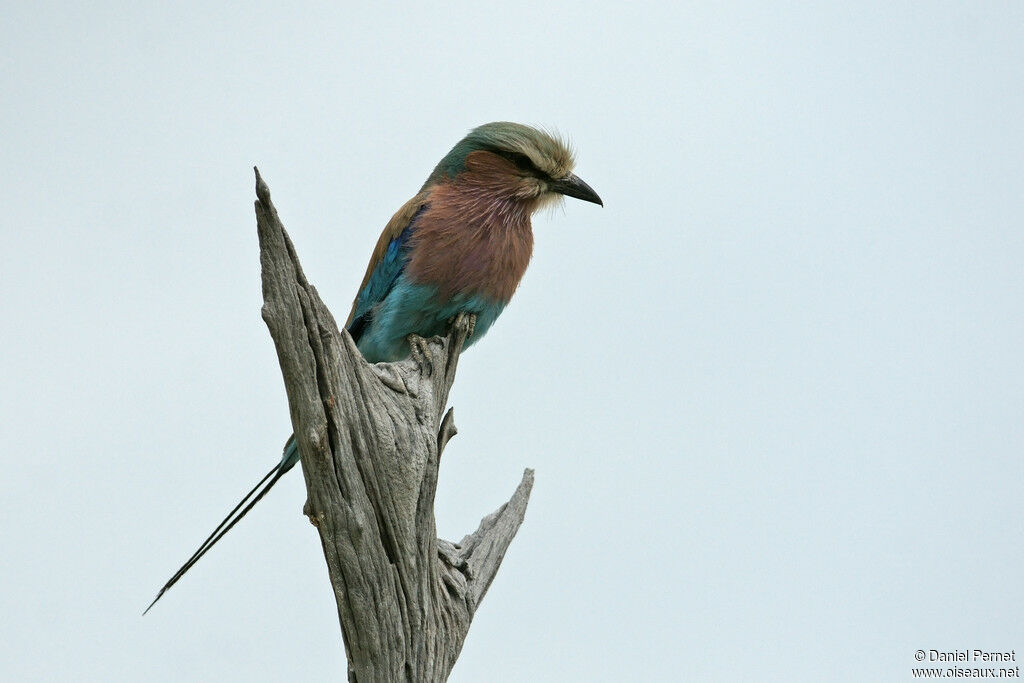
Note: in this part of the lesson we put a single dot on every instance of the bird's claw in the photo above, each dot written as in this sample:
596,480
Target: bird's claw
420,352
463,321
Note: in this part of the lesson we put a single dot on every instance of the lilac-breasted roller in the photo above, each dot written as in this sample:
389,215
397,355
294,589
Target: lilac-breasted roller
461,244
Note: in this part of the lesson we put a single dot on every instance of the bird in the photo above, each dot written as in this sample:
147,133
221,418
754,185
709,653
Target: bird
459,245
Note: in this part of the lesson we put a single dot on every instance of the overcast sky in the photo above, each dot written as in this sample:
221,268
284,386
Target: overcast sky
773,391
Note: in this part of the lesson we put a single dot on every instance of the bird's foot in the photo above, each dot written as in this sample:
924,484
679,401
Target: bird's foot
463,322
419,349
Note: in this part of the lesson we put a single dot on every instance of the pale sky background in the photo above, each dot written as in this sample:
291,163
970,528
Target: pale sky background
773,391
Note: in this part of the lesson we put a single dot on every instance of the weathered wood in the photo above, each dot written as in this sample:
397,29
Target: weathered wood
371,438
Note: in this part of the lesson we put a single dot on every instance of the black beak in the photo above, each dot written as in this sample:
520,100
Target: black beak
571,186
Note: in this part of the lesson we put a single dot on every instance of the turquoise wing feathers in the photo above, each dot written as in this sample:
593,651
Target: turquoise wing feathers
381,279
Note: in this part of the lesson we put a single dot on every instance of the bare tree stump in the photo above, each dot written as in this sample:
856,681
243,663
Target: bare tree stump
371,438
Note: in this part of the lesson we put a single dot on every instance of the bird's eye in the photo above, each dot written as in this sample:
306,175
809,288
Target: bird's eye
521,161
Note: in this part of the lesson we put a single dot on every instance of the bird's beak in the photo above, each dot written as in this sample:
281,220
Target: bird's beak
571,186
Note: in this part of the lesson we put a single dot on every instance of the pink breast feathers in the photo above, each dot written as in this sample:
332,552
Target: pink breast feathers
471,242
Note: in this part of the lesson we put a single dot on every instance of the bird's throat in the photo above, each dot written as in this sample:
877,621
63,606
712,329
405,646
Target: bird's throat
469,241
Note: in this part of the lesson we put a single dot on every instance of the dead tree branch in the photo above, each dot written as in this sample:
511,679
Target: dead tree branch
371,438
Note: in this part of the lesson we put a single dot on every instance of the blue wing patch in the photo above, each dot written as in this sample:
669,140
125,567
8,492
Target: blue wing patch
382,279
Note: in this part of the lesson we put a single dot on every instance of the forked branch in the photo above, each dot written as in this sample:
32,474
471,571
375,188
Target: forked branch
370,437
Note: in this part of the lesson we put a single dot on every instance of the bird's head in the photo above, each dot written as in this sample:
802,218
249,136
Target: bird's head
516,162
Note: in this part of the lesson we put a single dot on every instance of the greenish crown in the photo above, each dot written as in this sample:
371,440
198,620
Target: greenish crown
546,152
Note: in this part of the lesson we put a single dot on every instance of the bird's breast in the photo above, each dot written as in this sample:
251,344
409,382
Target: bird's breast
472,246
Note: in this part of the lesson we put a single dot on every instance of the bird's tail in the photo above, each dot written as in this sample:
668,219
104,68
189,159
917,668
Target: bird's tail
288,460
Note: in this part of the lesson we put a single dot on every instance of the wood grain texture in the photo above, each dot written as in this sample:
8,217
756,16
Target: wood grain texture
371,438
